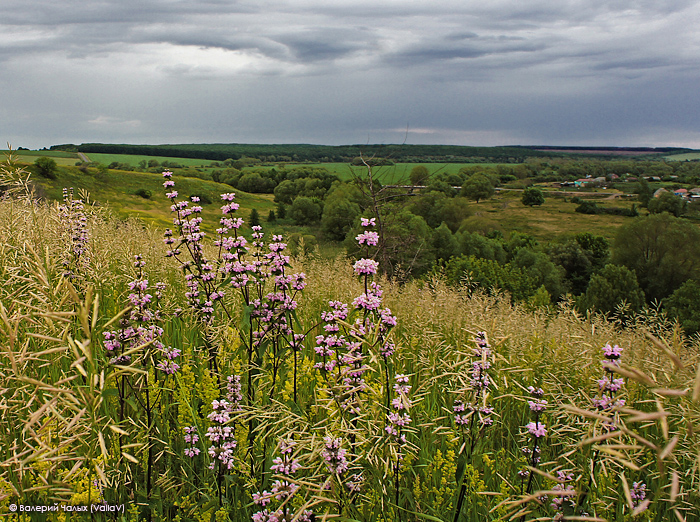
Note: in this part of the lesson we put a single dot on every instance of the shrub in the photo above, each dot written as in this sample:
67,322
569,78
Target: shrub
588,207
532,196
46,167
144,193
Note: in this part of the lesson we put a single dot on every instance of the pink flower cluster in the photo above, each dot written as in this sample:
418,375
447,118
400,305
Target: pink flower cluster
536,429
282,489
74,224
334,455
399,419
608,401
191,438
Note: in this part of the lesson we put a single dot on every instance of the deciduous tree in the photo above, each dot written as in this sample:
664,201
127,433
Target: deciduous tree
532,196
478,187
662,250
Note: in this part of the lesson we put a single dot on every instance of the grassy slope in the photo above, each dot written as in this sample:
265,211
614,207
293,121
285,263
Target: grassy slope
117,190
558,351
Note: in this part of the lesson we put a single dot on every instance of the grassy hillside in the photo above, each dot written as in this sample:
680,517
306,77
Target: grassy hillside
117,190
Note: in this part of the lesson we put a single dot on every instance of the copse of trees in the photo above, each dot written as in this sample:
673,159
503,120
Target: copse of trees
667,202
613,287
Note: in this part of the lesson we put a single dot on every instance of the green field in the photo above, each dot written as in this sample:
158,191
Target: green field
554,219
29,156
690,156
134,160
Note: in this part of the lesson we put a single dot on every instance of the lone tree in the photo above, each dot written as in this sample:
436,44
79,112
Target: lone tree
419,175
46,167
477,187
532,196
254,218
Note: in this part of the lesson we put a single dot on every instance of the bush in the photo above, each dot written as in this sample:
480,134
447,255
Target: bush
667,202
46,167
144,193
588,207
611,287
532,196
254,218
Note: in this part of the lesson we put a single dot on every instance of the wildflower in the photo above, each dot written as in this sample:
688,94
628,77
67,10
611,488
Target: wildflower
222,437
366,267
568,496
536,429
354,483
191,438
168,367
399,419
638,494
370,238
537,405
609,386
612,352
286,464
282,489
233,392
334,455
262,499
371,222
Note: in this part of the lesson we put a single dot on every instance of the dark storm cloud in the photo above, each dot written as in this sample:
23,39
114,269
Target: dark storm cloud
336,71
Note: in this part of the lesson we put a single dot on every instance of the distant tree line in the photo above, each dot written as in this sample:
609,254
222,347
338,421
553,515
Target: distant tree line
318,153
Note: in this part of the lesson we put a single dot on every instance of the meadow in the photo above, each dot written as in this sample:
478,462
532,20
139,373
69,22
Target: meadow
188,380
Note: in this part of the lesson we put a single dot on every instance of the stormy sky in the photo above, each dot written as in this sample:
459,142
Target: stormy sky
464,72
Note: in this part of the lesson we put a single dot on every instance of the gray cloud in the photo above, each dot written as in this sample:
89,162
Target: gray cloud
506,71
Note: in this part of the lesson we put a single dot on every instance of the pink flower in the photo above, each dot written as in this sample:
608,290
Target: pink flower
537,429
366,267
369,237
612,352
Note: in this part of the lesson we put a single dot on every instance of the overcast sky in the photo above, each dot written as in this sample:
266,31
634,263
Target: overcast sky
465,72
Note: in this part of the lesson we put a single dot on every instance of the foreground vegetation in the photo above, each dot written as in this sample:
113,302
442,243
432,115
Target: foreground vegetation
191,380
